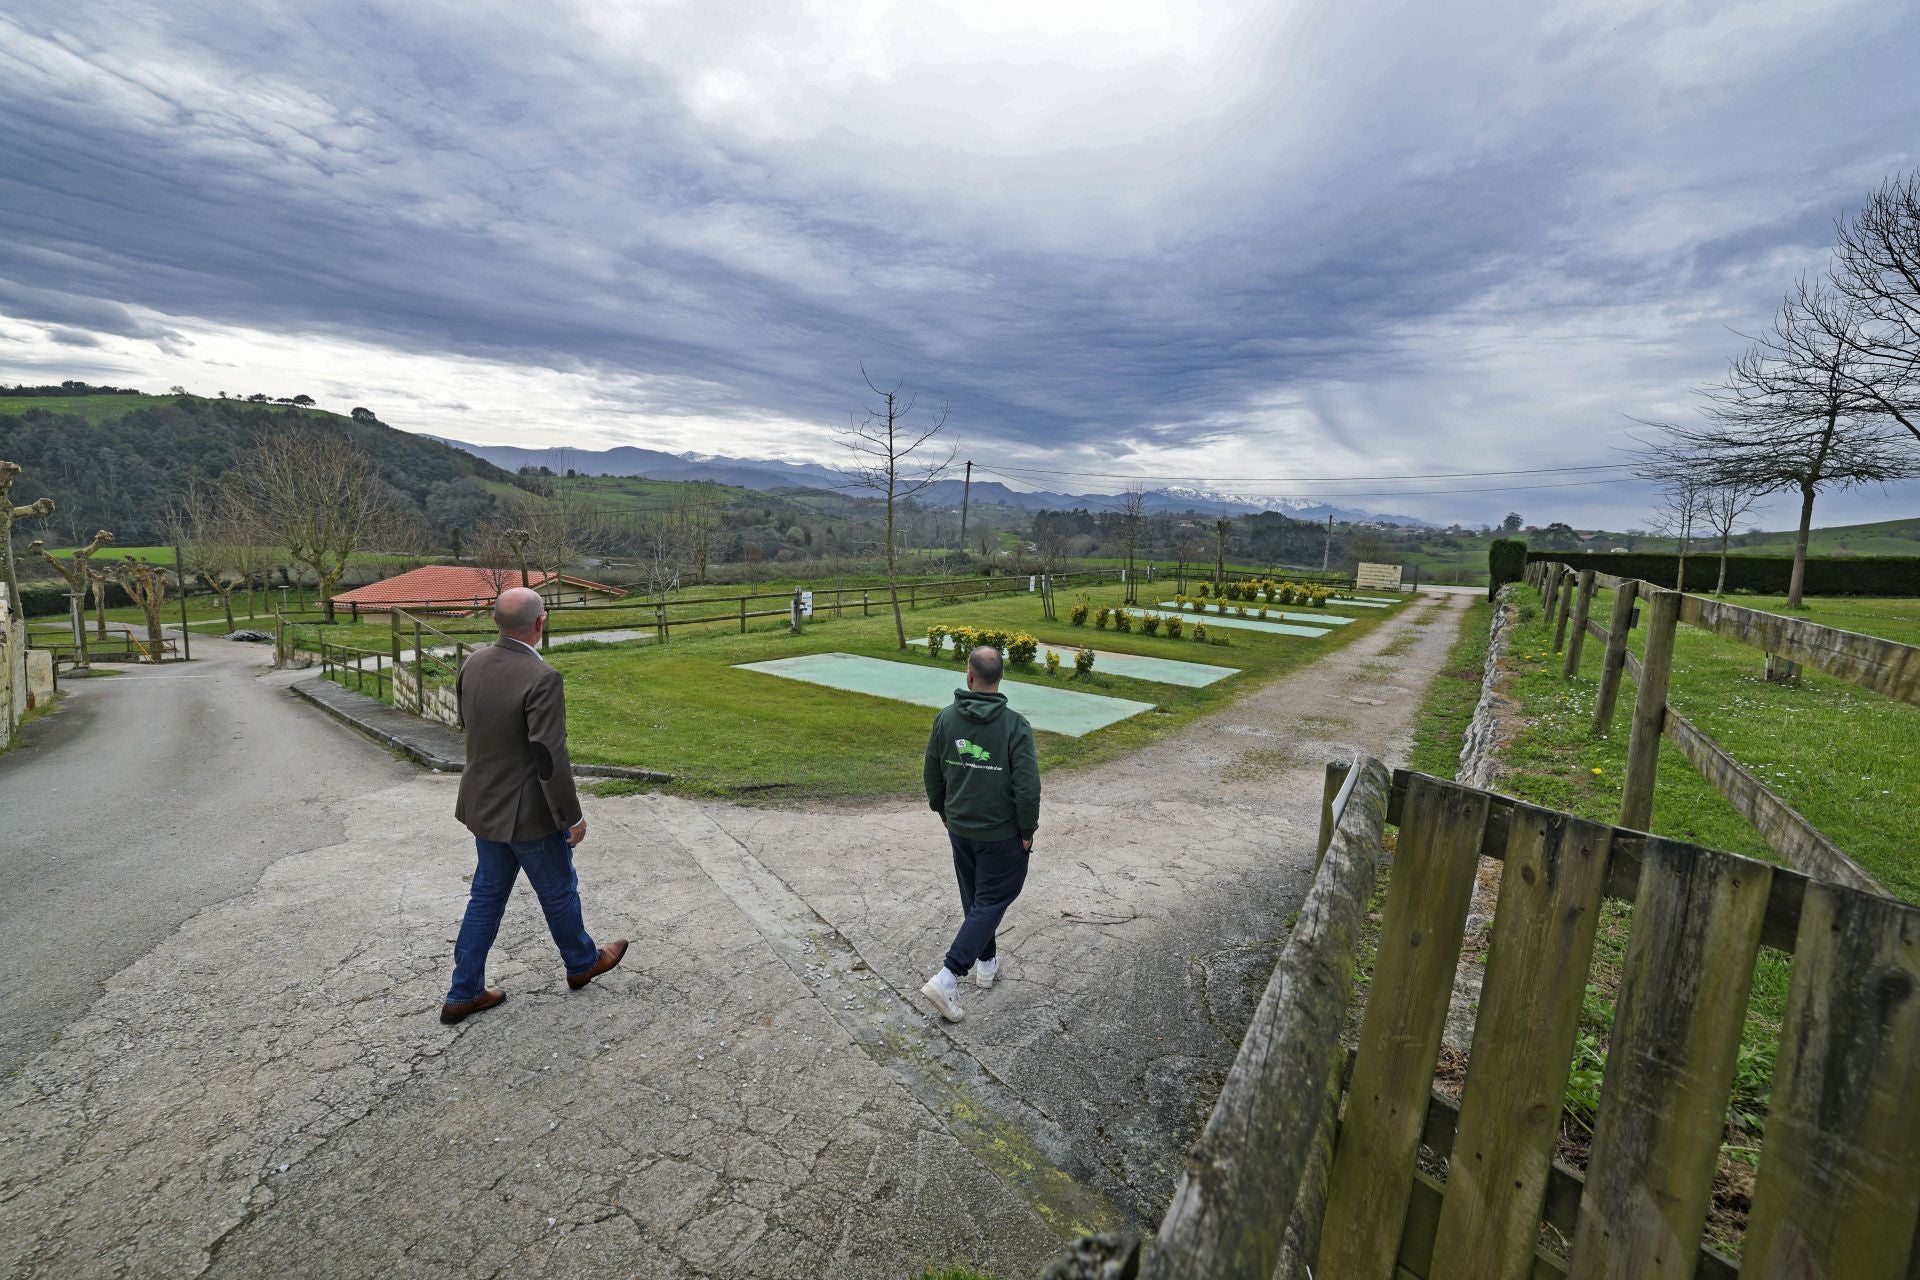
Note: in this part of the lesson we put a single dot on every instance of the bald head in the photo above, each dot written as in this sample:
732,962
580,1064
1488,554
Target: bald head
985,666
517,610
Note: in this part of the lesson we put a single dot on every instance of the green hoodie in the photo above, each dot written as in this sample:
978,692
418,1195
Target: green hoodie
982,776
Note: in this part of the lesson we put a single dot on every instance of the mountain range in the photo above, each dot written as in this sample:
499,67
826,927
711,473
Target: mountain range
768,473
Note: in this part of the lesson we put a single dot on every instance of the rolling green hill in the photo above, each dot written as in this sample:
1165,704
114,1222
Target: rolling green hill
120,462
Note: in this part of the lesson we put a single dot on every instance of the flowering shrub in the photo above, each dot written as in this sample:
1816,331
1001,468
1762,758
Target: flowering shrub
1100,618
1198,606
1199,633
1150,623
1079,615
1174,626
1053,663
1205,589
937,639
1263,611
1083,662
1020,649
1122,620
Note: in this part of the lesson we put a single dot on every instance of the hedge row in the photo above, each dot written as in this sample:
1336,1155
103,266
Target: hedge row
43,601
1506,562
1765,575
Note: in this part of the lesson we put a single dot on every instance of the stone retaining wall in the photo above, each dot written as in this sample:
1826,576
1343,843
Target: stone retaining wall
441,702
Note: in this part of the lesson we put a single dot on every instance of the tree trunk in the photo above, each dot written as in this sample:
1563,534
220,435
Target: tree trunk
1795,588
100,609
155,640
893,584
1720,587
327,582
226,603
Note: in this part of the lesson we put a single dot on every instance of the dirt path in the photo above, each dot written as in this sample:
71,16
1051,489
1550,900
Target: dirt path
755,1092
1159,895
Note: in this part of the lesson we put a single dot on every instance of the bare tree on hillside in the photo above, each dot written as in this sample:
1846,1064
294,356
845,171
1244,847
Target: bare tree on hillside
1877,268
75,574
201,531
319,497
883,446
38,509
1792,416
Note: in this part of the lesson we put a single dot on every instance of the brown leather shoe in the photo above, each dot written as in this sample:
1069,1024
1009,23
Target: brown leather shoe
452,1013
610,955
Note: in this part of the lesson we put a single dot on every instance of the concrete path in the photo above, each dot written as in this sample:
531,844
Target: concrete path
264,1087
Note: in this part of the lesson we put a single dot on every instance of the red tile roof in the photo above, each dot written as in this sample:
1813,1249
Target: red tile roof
451,584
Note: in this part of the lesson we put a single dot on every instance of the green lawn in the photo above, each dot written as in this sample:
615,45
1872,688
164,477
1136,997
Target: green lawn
1448,707
95,409
684,708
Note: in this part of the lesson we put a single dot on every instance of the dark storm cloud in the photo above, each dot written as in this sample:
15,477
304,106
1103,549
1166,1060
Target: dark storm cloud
1376,209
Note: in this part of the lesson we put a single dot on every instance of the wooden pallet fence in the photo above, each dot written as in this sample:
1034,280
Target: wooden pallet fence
1882,666
1316,1162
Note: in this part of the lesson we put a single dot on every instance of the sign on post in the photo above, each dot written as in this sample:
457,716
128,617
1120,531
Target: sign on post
1377,577
806,604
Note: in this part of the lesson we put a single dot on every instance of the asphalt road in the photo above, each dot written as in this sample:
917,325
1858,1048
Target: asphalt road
149,796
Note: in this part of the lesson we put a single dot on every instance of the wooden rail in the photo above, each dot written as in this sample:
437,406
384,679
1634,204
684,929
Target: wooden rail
1882,666
1403,1184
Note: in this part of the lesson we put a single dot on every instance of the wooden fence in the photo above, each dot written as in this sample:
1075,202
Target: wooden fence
1402,1184
350,666
1883,666
120,644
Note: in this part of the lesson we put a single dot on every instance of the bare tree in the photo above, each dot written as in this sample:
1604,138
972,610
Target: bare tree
883,446
1792,416
204,535
1133,510
75,574
39,509
147,584
1877,269
1222,530
319,497
1682,498
1721,507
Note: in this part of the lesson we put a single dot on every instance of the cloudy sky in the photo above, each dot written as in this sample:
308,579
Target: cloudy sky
1237,242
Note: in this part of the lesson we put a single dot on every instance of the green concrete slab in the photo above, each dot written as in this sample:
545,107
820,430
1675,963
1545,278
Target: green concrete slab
1134,666
1063,711
1317,619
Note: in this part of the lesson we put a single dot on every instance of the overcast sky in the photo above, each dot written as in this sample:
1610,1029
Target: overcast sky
1230,241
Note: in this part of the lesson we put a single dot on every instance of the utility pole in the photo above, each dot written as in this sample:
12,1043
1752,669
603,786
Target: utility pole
1326,553
966,492
180,582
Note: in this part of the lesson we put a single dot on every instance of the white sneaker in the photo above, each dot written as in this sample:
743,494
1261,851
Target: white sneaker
944,994
985,972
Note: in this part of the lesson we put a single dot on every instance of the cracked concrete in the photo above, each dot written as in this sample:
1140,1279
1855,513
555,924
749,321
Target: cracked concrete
755,1092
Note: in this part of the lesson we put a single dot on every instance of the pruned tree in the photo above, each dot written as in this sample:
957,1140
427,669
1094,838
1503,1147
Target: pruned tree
1222,530
147,584
75,572
499,551
1679,511
1877,269
1792,416
317,496
884,445
38,509
98,580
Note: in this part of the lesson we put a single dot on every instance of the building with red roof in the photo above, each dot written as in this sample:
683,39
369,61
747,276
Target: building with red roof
460,588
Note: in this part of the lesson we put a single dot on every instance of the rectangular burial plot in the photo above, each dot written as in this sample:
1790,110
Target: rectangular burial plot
1062,711
1134,666
1316,619
1255,624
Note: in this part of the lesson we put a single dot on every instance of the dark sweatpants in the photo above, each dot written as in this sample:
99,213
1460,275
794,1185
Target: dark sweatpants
991,874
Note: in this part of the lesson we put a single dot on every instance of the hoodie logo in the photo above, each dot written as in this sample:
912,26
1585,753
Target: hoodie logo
972,750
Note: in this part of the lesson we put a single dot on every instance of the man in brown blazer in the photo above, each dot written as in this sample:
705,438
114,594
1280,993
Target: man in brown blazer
517,798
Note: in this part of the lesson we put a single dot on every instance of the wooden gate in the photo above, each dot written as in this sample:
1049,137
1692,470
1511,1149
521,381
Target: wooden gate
1349,1166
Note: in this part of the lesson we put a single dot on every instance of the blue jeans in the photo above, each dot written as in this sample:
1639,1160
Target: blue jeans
549,866
991,875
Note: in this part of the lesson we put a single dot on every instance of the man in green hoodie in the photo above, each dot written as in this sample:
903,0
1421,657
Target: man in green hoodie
983,779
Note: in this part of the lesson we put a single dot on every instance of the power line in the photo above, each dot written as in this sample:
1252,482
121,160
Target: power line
1433,475
1380,493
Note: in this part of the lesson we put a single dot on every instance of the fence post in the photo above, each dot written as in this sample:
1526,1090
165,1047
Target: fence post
864,610
1565,607
1583,605
393,632
1649,712
660,623
1615,660
419,673
743,615
794,626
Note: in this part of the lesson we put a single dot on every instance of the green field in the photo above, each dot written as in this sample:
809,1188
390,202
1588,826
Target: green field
684,708
94,409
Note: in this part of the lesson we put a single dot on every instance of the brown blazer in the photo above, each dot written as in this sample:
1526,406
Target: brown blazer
518,783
